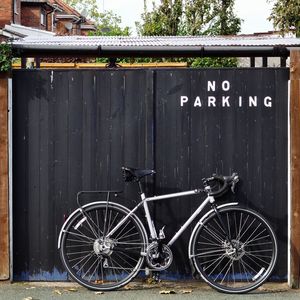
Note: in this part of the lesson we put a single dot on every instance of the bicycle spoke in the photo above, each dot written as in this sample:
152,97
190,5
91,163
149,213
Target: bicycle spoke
213,234
98,261
241,263
208,253
79,235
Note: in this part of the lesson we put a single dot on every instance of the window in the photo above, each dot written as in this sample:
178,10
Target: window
43,17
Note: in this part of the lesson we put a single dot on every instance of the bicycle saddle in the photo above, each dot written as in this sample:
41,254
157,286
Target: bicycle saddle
131,174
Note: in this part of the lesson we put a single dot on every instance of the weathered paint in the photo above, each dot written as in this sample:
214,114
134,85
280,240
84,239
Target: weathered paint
295,168
4,215
73,130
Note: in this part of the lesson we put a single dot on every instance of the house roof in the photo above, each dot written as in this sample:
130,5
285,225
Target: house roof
118,46
19,31
67,8
35,1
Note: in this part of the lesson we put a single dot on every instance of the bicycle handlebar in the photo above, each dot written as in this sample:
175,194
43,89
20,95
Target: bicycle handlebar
226,181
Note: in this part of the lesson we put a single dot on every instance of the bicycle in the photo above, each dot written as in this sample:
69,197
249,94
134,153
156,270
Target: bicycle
103,244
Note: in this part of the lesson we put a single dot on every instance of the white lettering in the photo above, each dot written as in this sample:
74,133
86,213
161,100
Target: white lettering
211,101
197,102
240,101
268,101
211,86
225,85
225,101
183,99
252,101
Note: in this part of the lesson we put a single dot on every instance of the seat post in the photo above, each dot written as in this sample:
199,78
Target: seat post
140,187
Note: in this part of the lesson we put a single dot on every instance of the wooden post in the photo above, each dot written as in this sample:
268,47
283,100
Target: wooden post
295,167
4,207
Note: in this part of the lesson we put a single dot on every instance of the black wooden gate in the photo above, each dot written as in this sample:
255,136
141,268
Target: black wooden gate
74,129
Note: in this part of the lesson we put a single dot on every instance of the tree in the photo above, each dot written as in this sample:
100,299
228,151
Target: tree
190,17
162,20
90,6
286,15
107,23
211,17
193,17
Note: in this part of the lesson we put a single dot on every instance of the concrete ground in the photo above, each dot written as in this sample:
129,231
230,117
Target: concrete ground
163,291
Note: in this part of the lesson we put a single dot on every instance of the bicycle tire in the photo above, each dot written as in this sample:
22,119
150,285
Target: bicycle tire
241,263
99,262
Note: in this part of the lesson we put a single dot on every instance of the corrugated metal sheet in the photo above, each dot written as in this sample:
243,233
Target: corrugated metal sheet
178,41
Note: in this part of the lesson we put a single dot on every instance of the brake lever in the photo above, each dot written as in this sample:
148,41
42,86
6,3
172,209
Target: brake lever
234,182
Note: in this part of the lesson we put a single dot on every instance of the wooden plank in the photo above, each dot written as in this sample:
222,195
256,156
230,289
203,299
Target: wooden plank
4,211
295,168
17,65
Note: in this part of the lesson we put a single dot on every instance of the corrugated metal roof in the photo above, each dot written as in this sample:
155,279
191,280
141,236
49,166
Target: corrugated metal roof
155,46
162,41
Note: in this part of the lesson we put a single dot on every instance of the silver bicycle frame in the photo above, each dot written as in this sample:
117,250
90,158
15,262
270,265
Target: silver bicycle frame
152,229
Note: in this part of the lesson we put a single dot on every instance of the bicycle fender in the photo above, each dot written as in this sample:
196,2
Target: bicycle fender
93,203
200,222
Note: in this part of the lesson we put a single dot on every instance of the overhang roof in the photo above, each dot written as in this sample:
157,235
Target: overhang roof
20,31
122,46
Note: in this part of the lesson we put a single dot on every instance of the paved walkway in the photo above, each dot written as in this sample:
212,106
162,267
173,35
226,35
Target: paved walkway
190,290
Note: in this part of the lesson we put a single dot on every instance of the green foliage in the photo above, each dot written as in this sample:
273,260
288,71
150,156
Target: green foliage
214,62
5,57
190,17
193,17
90,6
164,19
286,15
108,24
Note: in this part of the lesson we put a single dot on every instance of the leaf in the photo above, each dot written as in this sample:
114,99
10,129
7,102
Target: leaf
128,287
99,293
185,291
30,288
99,281
72,290
58,292
28,298
167,292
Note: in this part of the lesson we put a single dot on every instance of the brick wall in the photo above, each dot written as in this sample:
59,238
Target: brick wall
31,16
6,12
49,22
62,30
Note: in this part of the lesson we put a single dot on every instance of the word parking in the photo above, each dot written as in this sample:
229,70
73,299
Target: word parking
225,100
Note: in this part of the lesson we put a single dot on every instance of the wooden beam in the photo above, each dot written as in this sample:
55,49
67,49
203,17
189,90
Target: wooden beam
4,210
295,167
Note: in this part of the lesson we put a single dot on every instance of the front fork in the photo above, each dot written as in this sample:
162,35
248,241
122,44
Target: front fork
224,228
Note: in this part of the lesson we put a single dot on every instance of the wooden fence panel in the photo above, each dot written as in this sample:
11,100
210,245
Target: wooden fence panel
75,129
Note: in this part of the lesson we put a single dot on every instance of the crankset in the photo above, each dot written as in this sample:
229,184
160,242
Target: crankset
159,256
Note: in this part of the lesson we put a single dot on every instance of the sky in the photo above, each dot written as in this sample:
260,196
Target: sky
253,12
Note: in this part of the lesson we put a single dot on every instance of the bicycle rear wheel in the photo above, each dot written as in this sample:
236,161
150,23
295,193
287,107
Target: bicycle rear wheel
98,261
241,262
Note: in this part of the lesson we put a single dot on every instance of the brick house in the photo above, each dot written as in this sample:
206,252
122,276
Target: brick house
43,15
10,12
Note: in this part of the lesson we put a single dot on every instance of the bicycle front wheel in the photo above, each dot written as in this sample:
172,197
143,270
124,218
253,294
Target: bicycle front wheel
97,260
234,252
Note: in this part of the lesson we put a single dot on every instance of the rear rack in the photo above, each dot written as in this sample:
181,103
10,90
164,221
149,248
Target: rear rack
108,192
